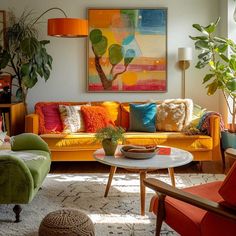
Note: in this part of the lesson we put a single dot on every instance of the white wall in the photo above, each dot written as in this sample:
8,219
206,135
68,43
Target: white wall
68,78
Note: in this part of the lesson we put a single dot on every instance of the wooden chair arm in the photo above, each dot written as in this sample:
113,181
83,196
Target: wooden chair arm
203,203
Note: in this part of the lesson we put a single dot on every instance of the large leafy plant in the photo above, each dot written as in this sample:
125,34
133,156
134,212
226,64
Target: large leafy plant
219,55
25,56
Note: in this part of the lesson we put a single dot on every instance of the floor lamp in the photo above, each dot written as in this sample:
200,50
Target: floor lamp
184,58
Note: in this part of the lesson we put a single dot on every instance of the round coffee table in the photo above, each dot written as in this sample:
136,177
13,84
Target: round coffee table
177,157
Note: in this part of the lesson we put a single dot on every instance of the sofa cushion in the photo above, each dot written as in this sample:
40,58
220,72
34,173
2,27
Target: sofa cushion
124,114
95,118
143,117
71,142
113,108
174,114
174,139
72,119
39,167
198,112
49,116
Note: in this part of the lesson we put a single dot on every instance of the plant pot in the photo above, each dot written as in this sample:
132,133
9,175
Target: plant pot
109,147
228,140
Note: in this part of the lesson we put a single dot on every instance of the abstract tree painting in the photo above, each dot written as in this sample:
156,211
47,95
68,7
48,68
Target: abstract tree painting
127,50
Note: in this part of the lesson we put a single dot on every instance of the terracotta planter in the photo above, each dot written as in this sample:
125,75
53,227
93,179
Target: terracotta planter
109,147
228,140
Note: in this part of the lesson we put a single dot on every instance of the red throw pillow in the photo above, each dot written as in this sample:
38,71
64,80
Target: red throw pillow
95,117
50,120
228,187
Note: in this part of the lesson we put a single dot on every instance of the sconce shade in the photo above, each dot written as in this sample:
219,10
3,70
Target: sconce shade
185,54
68,27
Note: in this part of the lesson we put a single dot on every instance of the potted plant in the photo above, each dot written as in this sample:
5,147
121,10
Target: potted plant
219,55
109,137
24,56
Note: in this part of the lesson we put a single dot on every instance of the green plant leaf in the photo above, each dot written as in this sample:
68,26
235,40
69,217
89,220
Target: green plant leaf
212,88
5,58
29,82
225,58
231,85
210,28
201,44
200,28
205,55
26,69
201,64
115,54
207,77
222,48
30,46
232,64
199,38
217,21
19,94
44,42
46,73
219,40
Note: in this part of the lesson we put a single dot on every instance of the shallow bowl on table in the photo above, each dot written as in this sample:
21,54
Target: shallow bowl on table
138,155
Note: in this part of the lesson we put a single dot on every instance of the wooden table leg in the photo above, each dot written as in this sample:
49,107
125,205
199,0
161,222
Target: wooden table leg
112,172
172,176
142,191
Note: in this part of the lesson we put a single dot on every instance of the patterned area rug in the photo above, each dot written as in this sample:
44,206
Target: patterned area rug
118,214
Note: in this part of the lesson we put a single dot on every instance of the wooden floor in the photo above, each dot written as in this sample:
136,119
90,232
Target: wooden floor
96,167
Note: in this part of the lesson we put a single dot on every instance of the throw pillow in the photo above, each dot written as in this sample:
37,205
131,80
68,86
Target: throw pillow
50,119
198,112
143,117
95,118
174,114
72,119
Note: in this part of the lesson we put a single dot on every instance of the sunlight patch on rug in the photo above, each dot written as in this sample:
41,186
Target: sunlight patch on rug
118,214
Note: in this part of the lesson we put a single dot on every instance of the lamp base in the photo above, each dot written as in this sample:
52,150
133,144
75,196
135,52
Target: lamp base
183,65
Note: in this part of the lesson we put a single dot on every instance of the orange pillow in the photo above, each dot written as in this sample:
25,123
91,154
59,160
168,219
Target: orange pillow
95,117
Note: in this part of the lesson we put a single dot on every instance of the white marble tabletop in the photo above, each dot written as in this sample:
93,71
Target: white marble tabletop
177,157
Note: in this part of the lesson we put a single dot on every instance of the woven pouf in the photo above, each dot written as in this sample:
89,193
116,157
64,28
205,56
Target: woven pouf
67,222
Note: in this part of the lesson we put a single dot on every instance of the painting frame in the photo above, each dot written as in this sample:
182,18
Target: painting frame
2,28
159,72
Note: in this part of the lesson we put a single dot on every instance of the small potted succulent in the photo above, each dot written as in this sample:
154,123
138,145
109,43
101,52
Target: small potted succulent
109,137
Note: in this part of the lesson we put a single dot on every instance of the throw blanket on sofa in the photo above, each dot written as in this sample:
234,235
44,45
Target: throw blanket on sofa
204,123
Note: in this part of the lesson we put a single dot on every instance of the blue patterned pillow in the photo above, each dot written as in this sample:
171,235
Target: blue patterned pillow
143,117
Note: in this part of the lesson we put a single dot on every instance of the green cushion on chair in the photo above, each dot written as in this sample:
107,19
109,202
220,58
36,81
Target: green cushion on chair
28,141
38,167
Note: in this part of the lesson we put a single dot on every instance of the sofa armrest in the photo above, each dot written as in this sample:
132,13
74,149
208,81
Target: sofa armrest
215,134
32,123
28,141
16,181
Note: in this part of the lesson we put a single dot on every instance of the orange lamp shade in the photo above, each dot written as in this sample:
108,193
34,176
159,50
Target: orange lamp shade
67,27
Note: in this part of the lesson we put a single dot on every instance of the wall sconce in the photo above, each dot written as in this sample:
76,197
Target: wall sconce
65,27
184,58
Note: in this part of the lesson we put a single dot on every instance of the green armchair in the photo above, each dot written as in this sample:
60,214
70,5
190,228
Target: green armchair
23,170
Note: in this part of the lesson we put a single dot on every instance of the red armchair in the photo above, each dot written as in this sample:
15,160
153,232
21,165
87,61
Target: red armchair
206,210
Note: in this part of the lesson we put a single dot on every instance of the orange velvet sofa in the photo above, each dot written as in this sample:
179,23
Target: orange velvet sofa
80,146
